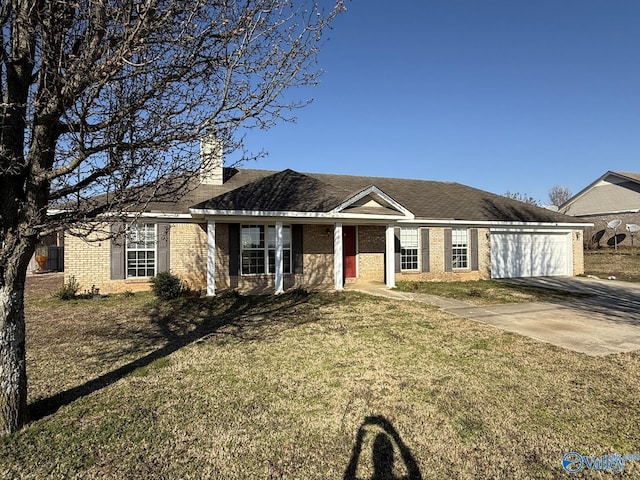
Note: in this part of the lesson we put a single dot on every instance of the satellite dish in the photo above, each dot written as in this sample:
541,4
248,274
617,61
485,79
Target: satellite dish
632,228
614,223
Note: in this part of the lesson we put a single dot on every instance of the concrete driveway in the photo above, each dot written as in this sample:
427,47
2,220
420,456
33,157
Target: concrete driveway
607,321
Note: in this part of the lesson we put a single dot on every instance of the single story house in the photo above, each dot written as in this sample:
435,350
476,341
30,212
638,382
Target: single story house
613,196
263,231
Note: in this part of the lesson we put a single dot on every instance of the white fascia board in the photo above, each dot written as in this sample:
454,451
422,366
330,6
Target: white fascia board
530,230
376,191
160,215
477,223
307,215
615,212
399,219
176,216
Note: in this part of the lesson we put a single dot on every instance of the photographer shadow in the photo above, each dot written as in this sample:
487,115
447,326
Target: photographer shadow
385,442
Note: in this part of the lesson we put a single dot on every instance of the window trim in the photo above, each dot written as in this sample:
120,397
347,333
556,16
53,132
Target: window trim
127,248
416,248
266,249
456,249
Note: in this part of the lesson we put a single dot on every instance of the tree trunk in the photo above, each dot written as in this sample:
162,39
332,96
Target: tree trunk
13,372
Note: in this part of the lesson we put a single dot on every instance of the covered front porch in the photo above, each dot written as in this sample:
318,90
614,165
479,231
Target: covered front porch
315,254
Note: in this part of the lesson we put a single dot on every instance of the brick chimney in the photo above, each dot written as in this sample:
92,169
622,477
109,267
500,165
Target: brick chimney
211,161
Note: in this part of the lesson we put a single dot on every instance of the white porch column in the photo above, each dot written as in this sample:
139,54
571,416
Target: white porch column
390,256
279,260
338,276
211,258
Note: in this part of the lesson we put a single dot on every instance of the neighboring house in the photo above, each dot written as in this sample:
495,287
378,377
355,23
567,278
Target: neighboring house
264,231
615,195
50,252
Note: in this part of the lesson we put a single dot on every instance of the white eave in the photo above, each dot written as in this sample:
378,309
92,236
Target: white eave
163,215
289,214
399,219
496,223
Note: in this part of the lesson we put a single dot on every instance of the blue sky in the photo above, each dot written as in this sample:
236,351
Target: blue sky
500,95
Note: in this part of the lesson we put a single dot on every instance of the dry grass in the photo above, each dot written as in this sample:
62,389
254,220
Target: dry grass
487,292
624,263
303,386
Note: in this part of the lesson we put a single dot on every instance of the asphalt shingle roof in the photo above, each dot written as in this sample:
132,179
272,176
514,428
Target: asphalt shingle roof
285,191
631,175
261,190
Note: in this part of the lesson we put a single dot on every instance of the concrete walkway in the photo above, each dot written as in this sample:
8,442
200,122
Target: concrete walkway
606,322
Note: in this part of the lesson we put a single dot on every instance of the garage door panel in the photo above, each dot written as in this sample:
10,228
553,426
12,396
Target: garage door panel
528,254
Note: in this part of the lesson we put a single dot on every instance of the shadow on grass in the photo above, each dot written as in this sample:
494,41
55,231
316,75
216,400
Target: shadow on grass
386,441
190,320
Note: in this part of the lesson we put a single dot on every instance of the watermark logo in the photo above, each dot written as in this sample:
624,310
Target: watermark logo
574,462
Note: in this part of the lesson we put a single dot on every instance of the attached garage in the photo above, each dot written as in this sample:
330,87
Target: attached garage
531,254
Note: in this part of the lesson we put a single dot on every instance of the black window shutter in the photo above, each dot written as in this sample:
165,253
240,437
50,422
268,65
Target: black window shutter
425,249
474,248
397,250
448,251
164,263
296,245
118,251
234,249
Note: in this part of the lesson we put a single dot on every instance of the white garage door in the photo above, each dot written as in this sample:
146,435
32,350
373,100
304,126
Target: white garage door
517,254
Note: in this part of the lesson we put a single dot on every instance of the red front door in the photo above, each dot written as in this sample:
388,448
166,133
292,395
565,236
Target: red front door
349,249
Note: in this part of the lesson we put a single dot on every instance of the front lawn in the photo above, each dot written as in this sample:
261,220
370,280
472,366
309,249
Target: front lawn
487,292
306,386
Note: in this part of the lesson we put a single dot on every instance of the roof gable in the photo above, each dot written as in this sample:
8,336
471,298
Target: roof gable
371,201
612,193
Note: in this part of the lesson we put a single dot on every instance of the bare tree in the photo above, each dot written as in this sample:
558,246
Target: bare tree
101,97
521,197
559,195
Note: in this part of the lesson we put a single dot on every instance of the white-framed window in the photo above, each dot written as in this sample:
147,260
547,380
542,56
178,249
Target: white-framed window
286,248
141,250
460,248
252,249
258,254
409,248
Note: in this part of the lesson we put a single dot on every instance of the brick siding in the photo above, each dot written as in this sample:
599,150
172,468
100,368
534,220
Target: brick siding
89,261
188,254
371,246
436,261
578,252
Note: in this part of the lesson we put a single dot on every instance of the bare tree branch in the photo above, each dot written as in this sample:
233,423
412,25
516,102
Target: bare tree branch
102,107
559,195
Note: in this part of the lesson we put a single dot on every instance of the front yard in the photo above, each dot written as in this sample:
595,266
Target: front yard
306,386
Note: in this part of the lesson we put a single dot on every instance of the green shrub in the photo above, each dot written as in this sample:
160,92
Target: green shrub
69,290
166,286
